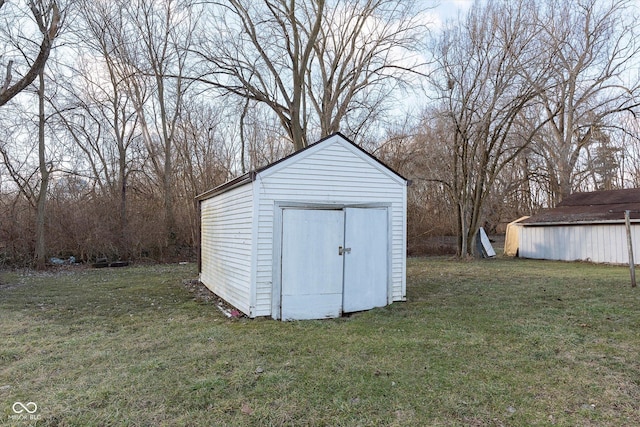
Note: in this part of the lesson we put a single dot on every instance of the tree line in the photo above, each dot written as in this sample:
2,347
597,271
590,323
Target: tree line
115,115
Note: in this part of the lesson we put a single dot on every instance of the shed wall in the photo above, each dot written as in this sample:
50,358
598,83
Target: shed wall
226,245
594,243
337,174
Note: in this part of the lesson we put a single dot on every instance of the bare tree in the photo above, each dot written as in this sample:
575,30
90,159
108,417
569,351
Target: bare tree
99,113
263,54
628,141
41,211
366,51
299,57
594,49
48,17
156,47
484,92
205,158
31,176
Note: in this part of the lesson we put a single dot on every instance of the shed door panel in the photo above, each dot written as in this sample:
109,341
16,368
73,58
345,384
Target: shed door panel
366,264
311,266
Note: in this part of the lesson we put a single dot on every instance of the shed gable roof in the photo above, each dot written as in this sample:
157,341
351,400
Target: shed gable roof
251,175
591,207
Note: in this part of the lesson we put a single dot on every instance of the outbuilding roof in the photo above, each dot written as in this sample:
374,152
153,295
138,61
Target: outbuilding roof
251,175
591,207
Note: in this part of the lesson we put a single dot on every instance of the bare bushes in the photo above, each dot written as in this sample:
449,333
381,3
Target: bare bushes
88,227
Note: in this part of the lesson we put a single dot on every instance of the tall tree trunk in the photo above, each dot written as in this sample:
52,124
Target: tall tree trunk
124,240
170,224
243,142
167,172
40,254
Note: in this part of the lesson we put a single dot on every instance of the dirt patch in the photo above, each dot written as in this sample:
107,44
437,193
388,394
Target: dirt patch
202,294
199,291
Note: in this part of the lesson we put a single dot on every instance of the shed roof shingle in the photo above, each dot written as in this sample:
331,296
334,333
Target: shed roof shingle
594,206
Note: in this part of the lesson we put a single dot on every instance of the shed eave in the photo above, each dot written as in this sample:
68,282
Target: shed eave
229,185
591,222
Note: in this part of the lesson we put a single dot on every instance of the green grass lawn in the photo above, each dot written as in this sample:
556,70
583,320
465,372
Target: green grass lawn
478,343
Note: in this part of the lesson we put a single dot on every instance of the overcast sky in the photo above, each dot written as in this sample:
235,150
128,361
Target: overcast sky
448,9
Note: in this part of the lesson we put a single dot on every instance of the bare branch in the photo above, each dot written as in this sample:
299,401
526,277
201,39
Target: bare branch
315,64
48,19
7,79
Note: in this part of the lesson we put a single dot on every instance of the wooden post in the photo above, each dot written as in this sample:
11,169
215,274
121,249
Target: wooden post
632,267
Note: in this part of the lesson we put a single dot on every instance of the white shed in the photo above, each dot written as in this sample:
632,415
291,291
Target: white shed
584,226
319,233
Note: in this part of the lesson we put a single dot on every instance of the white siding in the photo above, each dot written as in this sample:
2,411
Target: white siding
606,243
334,174
226,245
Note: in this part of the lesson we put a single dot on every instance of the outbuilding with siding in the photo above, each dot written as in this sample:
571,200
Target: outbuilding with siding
319,233
586,226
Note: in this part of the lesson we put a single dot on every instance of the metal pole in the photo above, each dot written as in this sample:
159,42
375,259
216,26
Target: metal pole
632,267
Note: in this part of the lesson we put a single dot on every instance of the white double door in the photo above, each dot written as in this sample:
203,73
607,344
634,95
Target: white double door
333,261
